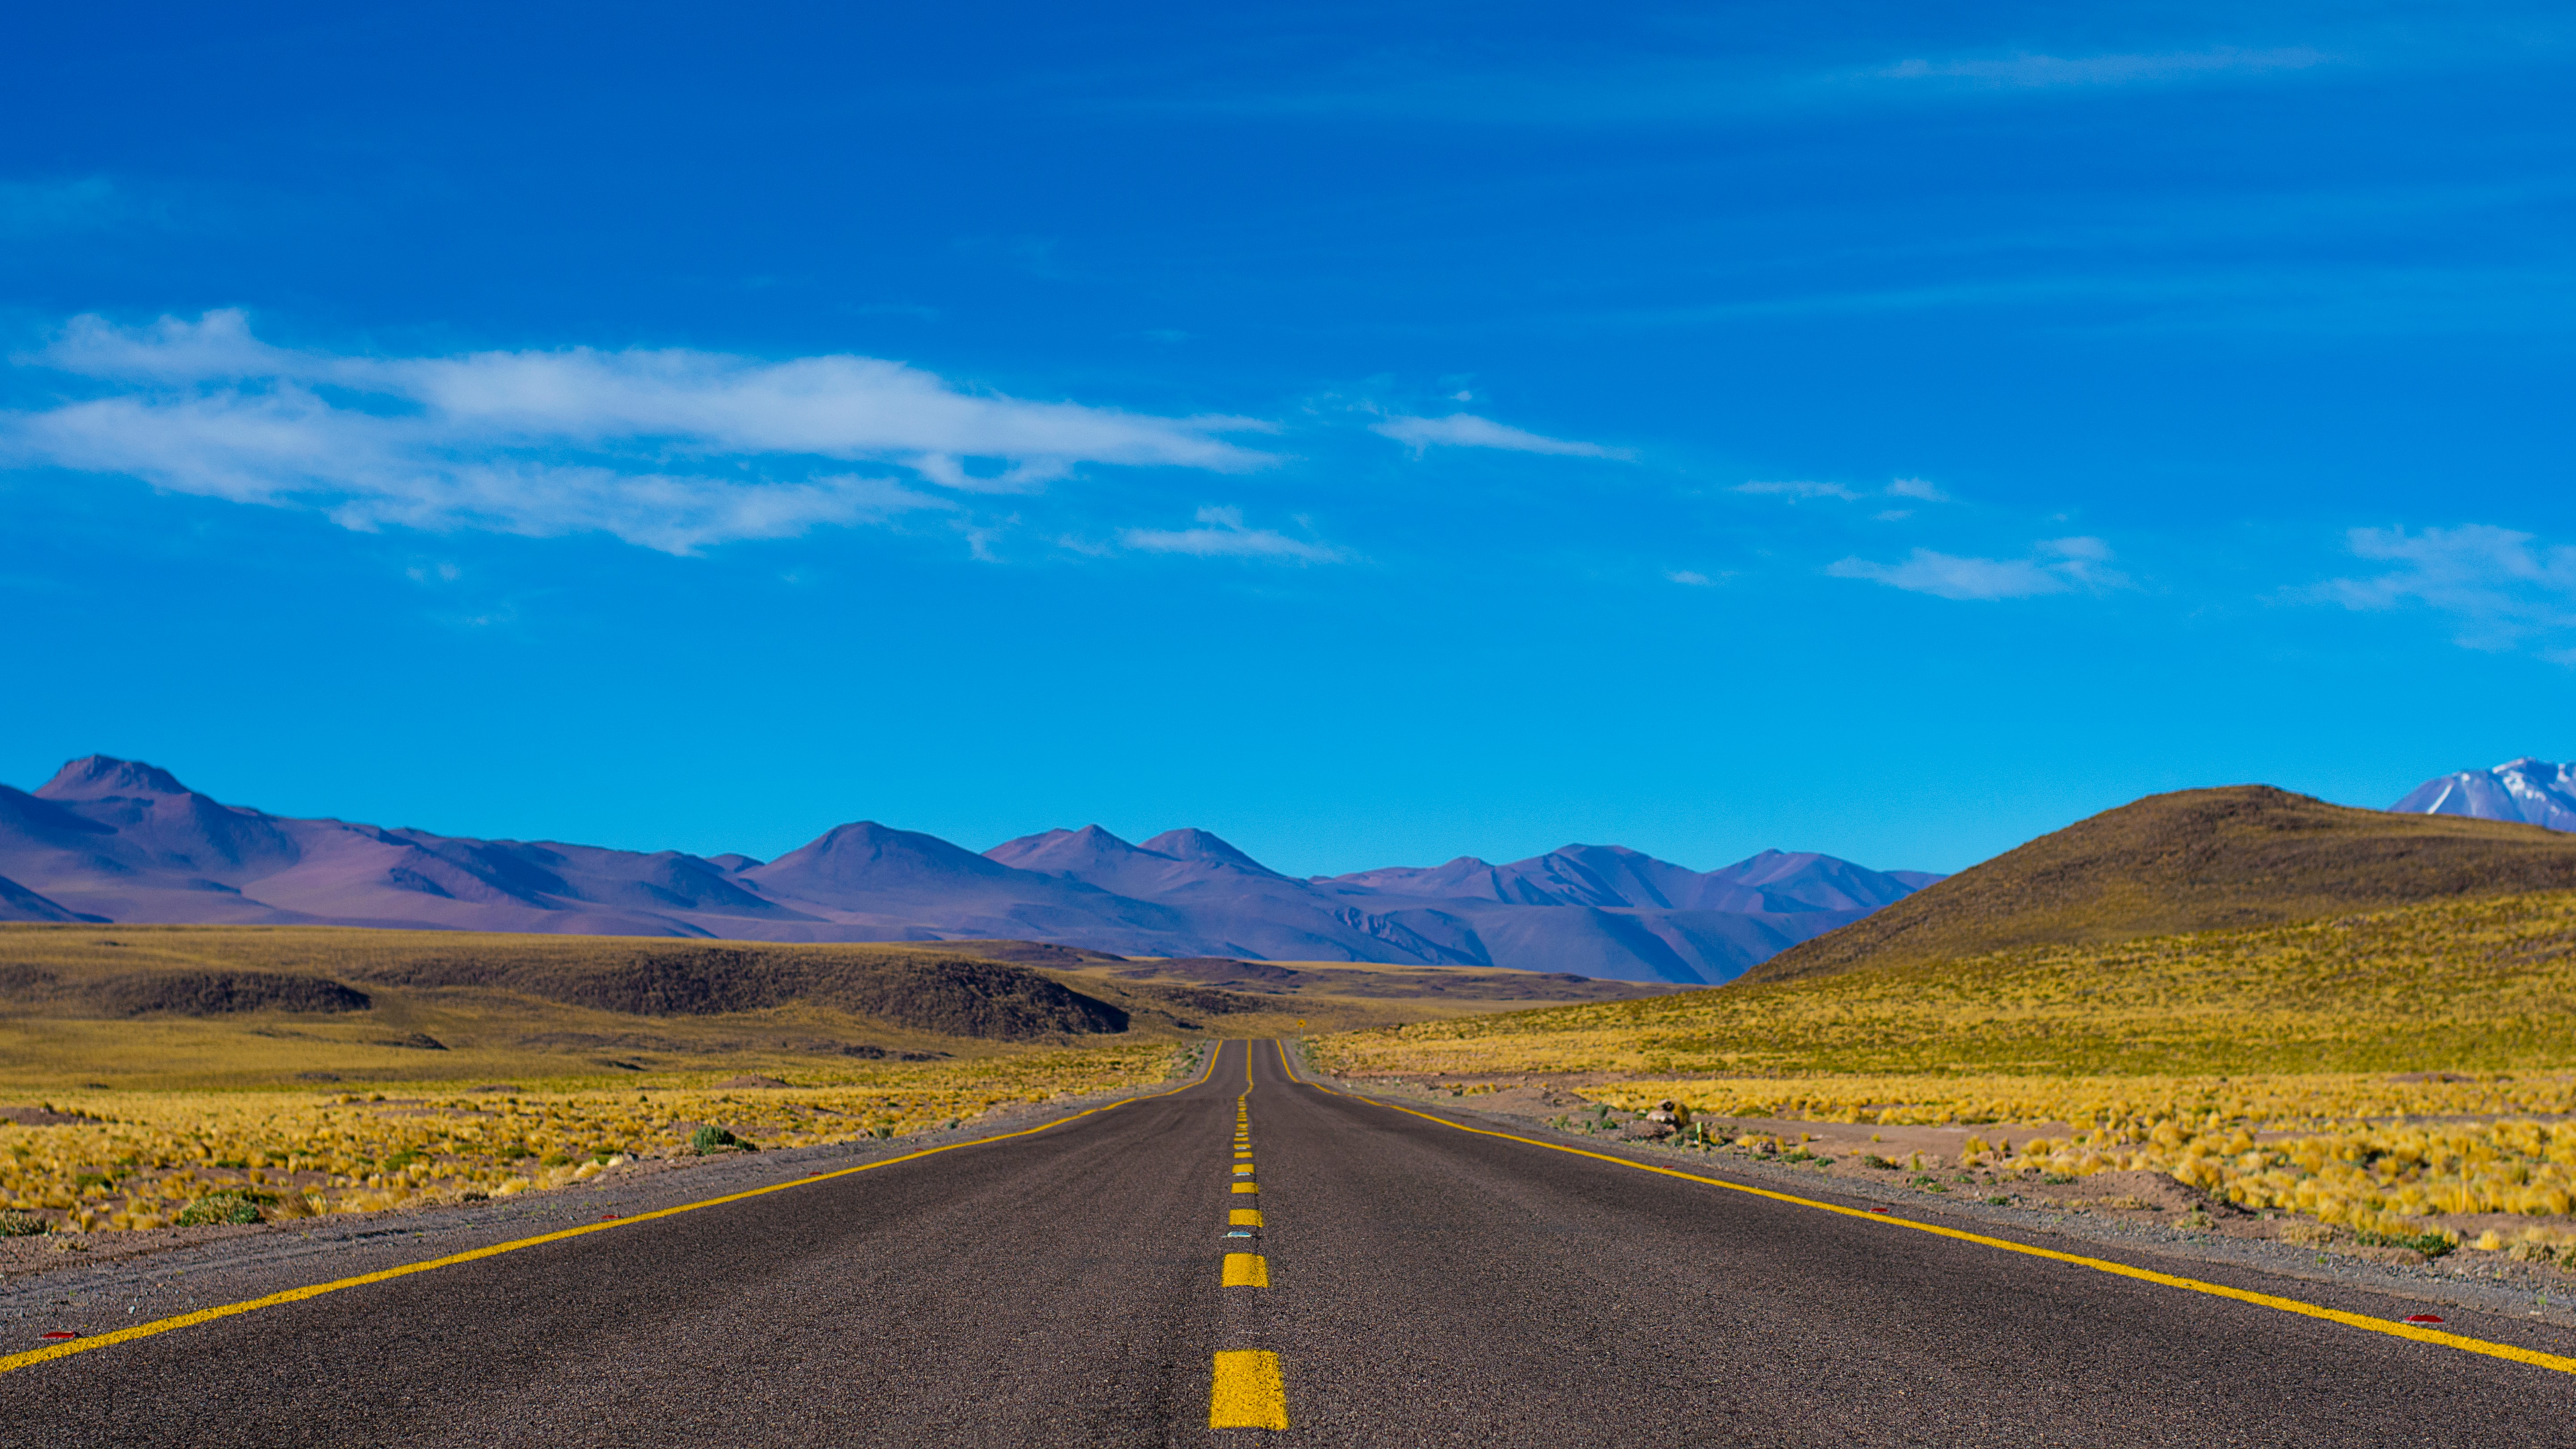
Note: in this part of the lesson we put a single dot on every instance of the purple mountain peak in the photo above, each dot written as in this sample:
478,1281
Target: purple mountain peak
865,849
96,777
1064,852
1188,844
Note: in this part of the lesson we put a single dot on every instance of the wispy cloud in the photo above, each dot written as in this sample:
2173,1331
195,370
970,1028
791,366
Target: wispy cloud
1659,83
2027,70
1222,533
1799,491
671,449
1918,489
1466,430
2504,588
1693,577
2055,566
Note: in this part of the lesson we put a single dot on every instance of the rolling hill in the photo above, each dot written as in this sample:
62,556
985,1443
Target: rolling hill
2195,860
251,1005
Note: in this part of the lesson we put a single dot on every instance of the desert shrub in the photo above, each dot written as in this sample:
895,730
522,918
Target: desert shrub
2431,1244
16,1224
220,1208
1872,1159
711,1138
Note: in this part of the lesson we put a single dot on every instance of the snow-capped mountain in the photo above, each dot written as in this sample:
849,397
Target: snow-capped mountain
2534,791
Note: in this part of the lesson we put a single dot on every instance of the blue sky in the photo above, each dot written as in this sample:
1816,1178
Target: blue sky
1376,435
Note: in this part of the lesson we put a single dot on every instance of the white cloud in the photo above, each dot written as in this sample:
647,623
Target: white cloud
2056,566
1918,489
1466,430
1692,577
553,442
1222,534
2026,70
1799,490
2503,587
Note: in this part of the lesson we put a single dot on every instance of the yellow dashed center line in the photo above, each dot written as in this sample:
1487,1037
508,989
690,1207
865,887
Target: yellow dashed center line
1247,1392
1245,1388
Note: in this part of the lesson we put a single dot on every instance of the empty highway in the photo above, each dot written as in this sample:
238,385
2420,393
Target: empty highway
1253,1257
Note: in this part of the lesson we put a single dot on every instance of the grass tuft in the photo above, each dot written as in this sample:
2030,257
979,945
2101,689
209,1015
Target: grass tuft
712,1138
221,1208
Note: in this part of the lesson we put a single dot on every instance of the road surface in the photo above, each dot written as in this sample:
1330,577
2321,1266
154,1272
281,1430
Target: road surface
1257,1250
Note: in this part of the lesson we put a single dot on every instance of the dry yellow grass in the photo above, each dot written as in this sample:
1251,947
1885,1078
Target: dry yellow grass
2377,1071
2475,986
188,1081
2363,1152
138,1159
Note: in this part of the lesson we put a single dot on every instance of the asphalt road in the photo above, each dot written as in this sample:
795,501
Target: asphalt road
1424,1285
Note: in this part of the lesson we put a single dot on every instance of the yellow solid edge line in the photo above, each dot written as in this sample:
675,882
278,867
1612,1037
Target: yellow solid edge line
1246,1270
1245,1391
11,1362
2419,1333
1243,1218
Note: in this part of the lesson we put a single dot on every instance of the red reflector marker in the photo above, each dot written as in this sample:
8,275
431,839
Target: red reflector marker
2423,1318
1878,1210
608,1217
61,1335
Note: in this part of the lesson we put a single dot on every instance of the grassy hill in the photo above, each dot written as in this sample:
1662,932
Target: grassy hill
2479,985
2195,860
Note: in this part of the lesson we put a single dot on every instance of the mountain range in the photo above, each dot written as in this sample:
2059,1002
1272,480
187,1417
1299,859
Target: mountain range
119,840
2533,791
